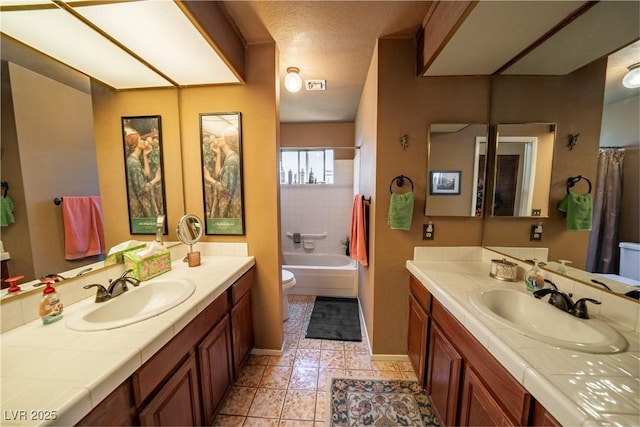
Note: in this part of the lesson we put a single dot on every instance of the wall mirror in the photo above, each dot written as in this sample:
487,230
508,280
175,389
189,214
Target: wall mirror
456,169
524,160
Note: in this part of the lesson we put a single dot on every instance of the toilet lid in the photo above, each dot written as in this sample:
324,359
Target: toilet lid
287,276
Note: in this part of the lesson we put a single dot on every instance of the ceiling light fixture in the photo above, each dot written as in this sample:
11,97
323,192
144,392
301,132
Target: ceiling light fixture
632,78
293,81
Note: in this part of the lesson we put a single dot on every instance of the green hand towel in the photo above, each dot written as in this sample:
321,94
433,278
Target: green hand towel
6,211
401,211
579,211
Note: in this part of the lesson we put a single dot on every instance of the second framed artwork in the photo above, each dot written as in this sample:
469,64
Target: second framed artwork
445,182
222,188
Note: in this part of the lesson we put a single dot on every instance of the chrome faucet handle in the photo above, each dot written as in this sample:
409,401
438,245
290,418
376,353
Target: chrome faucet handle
117,286
580,307
102,295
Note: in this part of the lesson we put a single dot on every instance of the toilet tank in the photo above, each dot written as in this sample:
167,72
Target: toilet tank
630,260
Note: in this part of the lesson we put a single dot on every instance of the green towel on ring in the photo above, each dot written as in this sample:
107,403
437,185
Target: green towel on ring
579,211
401,211
6,211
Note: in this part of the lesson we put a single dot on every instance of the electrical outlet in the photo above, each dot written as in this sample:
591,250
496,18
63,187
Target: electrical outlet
428,231
536,212
536,233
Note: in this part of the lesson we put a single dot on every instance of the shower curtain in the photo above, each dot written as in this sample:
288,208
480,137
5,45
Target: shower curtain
603,241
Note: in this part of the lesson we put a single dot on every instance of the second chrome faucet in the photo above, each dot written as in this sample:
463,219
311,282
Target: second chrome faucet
116,287
564,301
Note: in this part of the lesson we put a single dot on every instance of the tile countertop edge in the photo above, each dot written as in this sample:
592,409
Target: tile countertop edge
560,406
75,406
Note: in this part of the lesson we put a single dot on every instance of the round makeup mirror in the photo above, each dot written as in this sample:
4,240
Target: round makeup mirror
189,232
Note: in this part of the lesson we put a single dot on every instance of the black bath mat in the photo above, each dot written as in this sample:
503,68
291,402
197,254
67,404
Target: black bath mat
335,319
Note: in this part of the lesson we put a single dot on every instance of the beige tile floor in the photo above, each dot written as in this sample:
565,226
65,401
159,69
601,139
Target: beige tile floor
291,390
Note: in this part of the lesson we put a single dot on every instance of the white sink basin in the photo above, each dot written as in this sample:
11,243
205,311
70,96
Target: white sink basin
139,303
542,321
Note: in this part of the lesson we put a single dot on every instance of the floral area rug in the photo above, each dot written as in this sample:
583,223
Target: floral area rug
371,402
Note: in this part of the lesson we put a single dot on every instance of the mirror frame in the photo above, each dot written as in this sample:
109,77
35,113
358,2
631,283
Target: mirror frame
190,224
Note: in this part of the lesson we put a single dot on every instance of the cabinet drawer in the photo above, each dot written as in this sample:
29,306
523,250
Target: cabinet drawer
242,286
420,293
514,398
164,362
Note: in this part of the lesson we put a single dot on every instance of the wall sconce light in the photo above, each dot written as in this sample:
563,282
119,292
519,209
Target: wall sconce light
293,81
632,78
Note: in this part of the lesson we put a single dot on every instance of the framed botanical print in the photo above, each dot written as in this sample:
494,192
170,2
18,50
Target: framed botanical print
222,188
142,144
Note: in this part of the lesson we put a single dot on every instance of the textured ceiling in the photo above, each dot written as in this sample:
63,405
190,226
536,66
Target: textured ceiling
335,40
325,40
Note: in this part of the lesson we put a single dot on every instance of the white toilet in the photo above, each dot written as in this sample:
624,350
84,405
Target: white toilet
288,281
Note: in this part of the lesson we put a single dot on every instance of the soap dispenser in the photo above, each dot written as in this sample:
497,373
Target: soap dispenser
50,305
534,277
562,268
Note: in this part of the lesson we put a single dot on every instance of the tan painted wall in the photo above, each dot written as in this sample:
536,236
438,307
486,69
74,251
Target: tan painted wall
407,104
52,154
365,183
180,109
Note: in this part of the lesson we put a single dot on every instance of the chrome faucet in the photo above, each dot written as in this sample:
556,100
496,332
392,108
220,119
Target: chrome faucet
116,287
564,301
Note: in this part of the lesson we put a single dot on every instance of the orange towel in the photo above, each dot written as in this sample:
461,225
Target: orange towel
83,229
358,242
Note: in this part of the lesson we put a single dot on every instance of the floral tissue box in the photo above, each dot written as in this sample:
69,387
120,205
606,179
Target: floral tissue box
148,267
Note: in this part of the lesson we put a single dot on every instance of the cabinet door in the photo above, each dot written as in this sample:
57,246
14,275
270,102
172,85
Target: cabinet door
443,378
117,409
242,327
478,407
216,368
540,417
178,401
417,338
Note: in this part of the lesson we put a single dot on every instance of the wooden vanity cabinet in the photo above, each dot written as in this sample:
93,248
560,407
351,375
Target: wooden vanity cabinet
467,386
185,382
443,376
177,403
117,409
418,331
242,320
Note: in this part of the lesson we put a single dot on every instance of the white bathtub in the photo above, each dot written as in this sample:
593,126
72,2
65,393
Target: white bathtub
322,274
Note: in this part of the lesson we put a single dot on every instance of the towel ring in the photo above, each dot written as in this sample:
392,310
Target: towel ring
399,180
574,180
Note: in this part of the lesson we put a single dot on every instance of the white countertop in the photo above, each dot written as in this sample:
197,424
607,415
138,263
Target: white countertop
53,372
576,388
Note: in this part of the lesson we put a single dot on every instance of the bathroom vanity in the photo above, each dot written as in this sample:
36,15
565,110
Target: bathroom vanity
479,372
171,369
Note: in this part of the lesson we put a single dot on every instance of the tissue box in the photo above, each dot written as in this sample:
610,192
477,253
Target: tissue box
146,268
117,257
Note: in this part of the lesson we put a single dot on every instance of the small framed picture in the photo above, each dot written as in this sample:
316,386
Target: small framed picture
445,182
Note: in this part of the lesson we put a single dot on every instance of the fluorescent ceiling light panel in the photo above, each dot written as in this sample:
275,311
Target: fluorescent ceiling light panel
161,34
59,35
